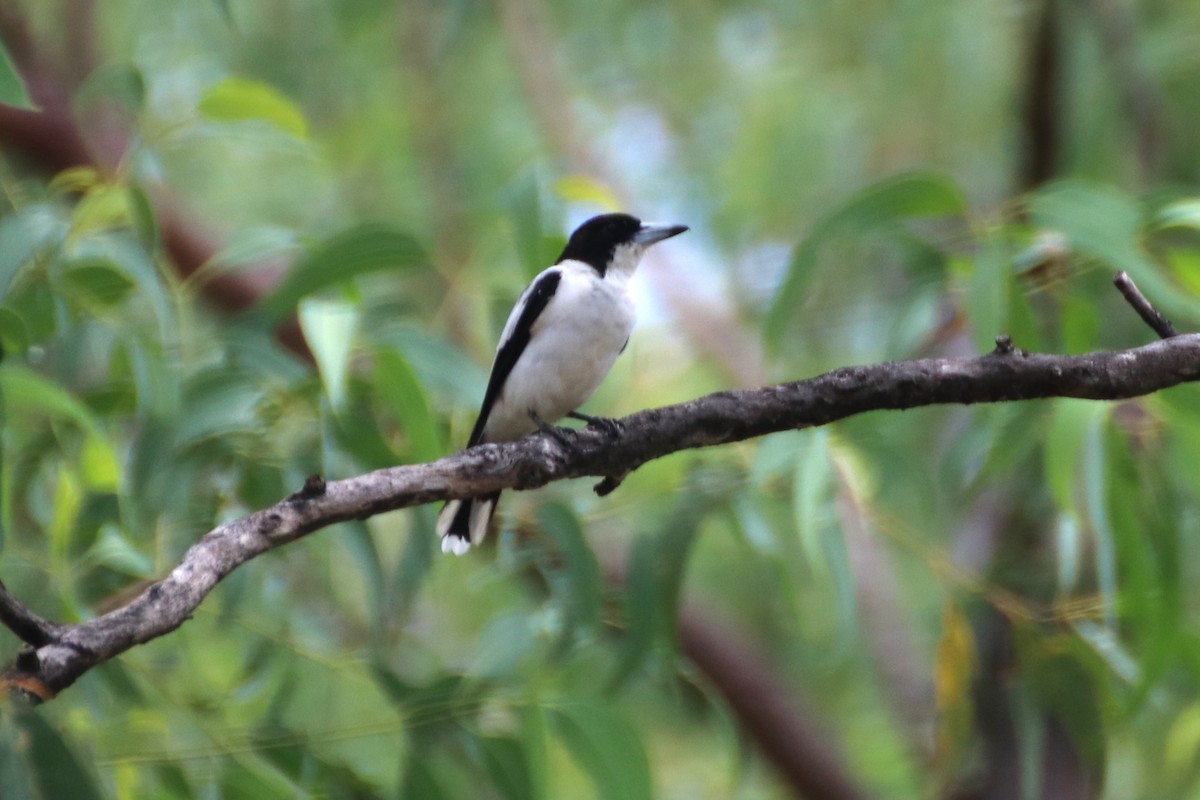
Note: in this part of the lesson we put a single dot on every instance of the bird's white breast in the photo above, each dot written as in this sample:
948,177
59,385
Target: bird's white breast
574,342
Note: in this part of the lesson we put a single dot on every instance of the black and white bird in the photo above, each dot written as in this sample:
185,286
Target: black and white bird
561,339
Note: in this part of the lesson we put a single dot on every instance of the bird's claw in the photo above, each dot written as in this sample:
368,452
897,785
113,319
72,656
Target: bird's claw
556,433
612,428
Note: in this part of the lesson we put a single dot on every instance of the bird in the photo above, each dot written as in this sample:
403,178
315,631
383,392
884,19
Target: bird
561,339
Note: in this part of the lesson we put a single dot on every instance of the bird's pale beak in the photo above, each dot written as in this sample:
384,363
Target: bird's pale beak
651,232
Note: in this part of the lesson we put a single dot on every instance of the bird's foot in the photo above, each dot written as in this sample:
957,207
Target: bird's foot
612,428
560,435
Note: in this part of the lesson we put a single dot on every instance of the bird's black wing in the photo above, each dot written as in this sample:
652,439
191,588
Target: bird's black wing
532,303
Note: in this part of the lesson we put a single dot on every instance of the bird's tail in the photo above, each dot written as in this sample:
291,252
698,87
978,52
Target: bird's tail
463,523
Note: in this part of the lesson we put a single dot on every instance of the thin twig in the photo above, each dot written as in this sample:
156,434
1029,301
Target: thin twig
1161,325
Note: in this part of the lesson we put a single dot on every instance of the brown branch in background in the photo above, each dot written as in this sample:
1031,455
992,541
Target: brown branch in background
788,737
49,138
1151,315
79,52
51,141
1043,115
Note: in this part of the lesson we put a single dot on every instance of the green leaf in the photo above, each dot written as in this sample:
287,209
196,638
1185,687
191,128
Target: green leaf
1184,263
507,766
29,393
1109,647
504,644
905,196
98,465
524,209
656,572
1102,223
812,486
607,747
583,189
56,770
1183,740
1065,676
252,777
329,328
356,537
226,12
854,485
582,568
97,284
12,87
21,236
240,99
752,523
68,500
1097,220
104,207
219,402
417,558
16,779
398,385
114,551
1068,553
443,369
1076,467
1022,321
116,85
419,781
358,251
14,336
533,740
1029,727
1096,494
641,611
1180,214
1081,324
37,306
245,248
442,702
1064,448
988,292
143,216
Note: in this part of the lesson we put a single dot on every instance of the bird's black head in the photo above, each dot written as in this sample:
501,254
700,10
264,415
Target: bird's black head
596,241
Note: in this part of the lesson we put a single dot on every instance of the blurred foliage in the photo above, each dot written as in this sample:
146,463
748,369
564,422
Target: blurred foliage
848,173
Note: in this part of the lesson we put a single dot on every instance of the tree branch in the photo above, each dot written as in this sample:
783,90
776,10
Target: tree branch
1149,314
1042,111
802,752
30,627
1005,375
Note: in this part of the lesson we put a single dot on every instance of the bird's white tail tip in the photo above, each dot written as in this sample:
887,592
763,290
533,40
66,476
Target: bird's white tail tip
455,544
